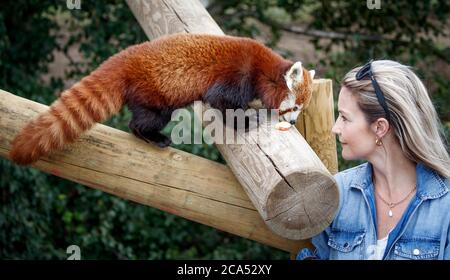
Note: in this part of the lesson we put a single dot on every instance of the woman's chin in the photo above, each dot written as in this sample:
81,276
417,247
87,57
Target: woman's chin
347,156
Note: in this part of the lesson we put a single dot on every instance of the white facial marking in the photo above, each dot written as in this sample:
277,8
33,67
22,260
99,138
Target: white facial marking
293,115
288,102
312,73
294,75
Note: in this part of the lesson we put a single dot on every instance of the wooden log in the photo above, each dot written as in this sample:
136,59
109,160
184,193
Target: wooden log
315,124
174,181
285,180
290,187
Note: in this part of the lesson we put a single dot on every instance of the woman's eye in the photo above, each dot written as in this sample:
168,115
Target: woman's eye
342,117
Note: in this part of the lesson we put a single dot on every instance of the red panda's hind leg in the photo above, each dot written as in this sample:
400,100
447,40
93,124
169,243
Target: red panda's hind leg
146,124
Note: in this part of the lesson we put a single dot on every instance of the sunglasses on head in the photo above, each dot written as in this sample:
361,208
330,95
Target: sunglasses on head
366,71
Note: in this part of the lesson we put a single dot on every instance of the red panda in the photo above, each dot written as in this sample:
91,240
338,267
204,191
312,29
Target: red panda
156,77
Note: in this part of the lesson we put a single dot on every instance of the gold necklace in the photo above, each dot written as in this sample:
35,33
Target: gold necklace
393,204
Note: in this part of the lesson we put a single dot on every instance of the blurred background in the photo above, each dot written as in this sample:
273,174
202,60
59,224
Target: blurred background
45,47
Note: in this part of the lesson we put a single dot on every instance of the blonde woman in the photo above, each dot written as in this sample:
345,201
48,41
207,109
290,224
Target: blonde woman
397,205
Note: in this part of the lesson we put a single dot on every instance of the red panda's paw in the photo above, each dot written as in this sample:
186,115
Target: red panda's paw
158,139
163,143
152,137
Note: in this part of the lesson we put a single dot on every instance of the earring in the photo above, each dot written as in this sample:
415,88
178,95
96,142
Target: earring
378,142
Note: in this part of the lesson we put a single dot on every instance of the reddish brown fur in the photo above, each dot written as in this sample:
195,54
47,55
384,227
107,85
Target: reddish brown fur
304,90
171,71
76,111
177,75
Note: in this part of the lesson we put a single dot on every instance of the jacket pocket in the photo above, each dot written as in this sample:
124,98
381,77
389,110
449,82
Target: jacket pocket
345,241
417,249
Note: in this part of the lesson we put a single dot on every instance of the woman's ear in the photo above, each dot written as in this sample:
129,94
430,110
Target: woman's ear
380,127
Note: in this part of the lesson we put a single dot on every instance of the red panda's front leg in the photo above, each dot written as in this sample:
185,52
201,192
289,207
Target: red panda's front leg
223,96
146,124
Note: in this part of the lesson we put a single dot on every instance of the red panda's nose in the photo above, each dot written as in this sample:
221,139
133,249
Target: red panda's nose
292,122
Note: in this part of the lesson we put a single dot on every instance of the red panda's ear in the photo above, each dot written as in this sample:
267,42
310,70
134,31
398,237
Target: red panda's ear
294,75
297,72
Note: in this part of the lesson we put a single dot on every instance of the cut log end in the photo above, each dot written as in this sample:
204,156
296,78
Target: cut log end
302,205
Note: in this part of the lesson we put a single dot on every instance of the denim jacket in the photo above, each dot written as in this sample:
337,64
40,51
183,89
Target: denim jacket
422,233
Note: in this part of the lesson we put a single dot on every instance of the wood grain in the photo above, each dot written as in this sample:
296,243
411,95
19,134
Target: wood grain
316,123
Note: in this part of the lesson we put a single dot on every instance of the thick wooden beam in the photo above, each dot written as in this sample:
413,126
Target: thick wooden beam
315,124
290,187
118,163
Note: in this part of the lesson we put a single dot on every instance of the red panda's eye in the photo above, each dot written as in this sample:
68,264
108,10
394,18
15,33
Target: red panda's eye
295,109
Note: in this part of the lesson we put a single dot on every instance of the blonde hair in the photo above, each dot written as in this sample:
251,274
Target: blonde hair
413,116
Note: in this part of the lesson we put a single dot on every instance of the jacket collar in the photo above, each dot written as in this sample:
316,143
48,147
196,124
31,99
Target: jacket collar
430,184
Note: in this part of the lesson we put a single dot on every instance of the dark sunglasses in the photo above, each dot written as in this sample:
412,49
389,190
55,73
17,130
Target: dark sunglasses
366,71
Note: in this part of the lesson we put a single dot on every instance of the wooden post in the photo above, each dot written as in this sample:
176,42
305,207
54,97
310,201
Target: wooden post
315,124
290,187
171,180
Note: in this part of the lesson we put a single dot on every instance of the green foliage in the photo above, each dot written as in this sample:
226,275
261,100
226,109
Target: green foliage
398,27
236,16
26,49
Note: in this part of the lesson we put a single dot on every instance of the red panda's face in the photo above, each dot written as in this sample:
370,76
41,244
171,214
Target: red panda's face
299,81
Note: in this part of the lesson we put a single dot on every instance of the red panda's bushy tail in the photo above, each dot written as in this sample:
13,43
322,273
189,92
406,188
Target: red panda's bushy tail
91,100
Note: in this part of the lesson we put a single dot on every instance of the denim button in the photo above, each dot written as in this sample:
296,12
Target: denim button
416,252
345,244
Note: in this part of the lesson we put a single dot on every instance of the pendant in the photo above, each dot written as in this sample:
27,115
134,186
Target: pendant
390,213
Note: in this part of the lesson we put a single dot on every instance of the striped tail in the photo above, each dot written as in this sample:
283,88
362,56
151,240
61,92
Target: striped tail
89,101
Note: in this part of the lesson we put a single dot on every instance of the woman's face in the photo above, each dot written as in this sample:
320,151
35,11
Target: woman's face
352,129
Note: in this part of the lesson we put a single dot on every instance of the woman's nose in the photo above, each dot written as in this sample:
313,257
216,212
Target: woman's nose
335,129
